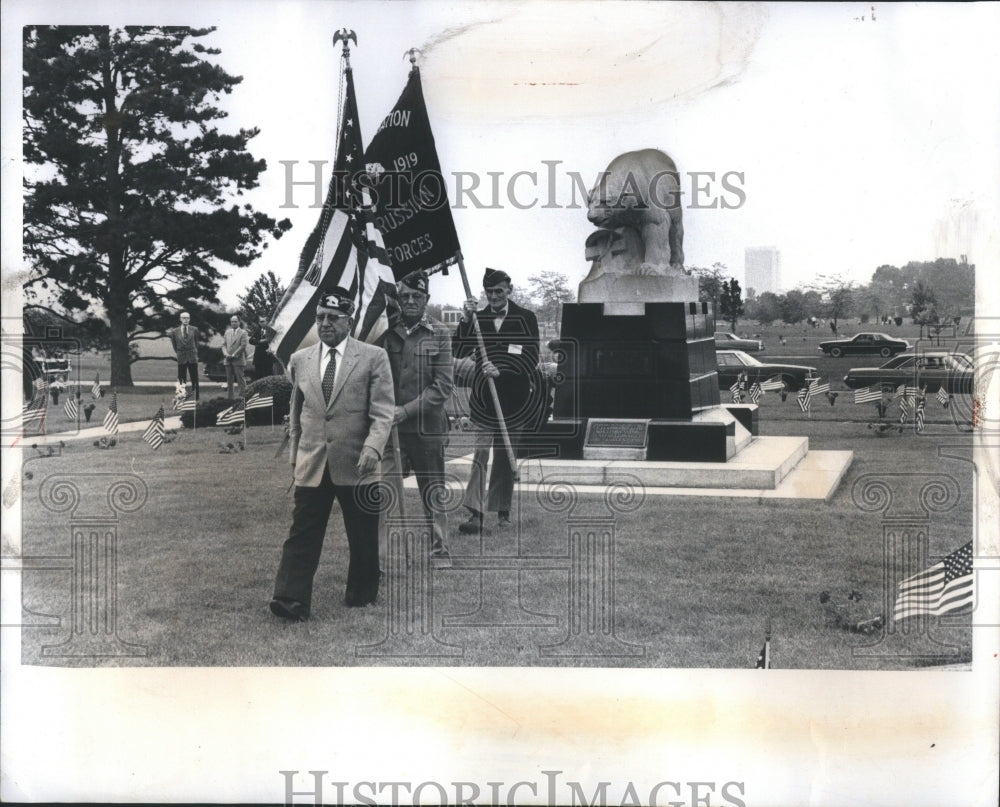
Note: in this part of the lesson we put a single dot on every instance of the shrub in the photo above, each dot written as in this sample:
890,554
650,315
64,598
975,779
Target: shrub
276,385
206,412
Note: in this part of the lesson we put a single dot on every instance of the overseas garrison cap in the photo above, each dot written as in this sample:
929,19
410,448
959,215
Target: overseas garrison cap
494,276
416,281
339,299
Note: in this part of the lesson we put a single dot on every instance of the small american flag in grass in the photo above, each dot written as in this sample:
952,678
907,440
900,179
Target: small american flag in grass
111,418
944,588
154,432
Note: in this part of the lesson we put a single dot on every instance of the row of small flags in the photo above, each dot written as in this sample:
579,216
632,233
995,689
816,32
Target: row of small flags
944,588
756,391
237,413
909,397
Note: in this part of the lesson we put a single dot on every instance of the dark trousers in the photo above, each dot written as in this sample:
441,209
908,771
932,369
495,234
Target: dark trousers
182,372
301,551
424,454
500,493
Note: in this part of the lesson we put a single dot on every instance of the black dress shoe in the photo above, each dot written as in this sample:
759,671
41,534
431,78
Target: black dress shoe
289,609
359,599
473,525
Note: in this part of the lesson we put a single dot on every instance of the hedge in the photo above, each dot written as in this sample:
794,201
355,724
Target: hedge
276,385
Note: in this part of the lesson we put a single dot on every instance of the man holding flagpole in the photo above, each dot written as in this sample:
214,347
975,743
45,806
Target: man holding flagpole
511,338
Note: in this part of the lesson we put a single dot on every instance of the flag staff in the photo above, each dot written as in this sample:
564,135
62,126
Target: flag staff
489,381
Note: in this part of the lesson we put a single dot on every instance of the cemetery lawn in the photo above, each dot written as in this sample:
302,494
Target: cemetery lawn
697,580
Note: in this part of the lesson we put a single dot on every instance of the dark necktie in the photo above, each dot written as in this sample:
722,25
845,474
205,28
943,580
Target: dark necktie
331,371
185,332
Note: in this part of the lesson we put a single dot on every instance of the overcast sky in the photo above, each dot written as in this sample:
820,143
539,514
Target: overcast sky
862,138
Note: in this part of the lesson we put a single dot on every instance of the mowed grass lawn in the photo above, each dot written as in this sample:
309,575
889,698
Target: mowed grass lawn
697,580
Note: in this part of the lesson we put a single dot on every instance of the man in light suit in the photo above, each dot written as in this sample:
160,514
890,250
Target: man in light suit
184,338
235,344
341,414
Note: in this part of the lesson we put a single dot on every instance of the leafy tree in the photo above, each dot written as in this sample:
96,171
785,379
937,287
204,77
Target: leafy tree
731,301
130,188
837,295
793,307
923,306
262,298
548,291
766,309
710,283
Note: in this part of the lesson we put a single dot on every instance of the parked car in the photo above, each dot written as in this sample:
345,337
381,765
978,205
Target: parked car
730,341
733,362
933,370
880,343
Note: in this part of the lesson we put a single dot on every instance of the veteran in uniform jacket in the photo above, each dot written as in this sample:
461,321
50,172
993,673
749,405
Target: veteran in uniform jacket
419,349
341,413
511,337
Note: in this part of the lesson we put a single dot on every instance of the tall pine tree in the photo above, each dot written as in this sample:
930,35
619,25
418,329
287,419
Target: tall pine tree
130,191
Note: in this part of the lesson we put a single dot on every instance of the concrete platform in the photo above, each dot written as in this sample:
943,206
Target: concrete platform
769,468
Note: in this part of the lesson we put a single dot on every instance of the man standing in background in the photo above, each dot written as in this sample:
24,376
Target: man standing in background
184,338
260,338
235,344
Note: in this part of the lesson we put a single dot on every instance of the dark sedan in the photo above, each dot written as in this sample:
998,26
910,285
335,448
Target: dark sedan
733,362
933,370
878,343
730,341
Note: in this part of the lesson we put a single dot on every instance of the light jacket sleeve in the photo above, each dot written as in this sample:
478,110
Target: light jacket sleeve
381,402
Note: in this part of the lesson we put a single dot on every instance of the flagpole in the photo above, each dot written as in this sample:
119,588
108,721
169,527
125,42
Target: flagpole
489,381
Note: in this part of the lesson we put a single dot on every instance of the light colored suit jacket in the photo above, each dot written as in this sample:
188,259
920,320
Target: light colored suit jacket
359,413
235,343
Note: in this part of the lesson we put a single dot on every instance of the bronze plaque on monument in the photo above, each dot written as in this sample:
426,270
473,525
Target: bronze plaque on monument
616,439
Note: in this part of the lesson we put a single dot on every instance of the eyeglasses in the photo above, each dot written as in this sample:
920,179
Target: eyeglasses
331,317
496,292
416,296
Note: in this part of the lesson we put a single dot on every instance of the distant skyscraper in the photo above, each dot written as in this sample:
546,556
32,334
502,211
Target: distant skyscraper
763,269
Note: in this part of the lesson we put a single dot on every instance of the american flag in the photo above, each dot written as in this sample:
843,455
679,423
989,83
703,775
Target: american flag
772,384
903,391
111,418
70,408
904,409
920,413
756,391
33,413
338,253
803,399
943,588
234,414
186,404
867,395
96,389
258,401
737,389
943,397
816,388
154,432
764,656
